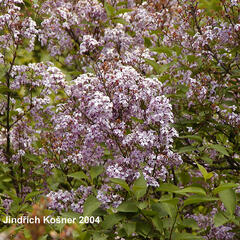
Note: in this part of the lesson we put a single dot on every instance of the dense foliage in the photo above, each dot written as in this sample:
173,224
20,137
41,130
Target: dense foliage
126,111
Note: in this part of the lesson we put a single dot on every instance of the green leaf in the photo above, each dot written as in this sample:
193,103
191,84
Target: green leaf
153,63
206,159
162,49
32,157
149,213
193,137
220,149
211,6
123,10
107,152
96,171
169,200
197,190
219,219
167,187
170,208
189,223
167,222
191,58
70,215
32,195
186,236
157,222
111,220
225,186
143,228
120,182
186,149
78,175
177,49
99,236
228,197
164,67
109,9
44,237
142,205
140,187
137,120
91,204
120,20
147,42
15,206
129,228
13,196
204,172
198,199
4,89
88,236
129,206
159,209
184,177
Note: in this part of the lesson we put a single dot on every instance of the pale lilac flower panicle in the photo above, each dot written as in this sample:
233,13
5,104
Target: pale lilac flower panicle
7,204
117,108
17,29
108,197
69,200
88,44
206,222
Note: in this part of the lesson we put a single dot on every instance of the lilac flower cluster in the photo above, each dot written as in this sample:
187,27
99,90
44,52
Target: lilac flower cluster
6,203
38,75
69,200
16,28
66,25
22,138
108,197
126,112
80,25
26,79
206,222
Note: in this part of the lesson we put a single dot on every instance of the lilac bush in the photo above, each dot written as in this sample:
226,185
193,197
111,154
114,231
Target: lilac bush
123,110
